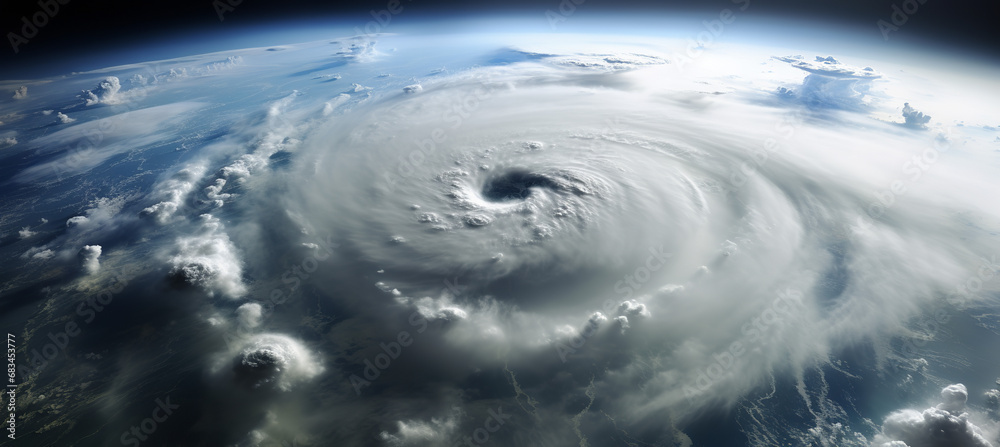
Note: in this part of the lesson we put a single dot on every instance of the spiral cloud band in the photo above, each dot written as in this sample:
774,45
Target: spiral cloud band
599,241
597,229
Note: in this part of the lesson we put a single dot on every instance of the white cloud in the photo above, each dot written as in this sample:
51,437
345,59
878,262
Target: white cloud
89,255
442,307
6,142
101,212
77,221
605,191
214,192
278,136
633,308
177,73
173,192
93,142
330,76
946,425
106,92
249,315
913,118
25,233
594,213
230,62
831,84
21,92
436,431
993,402
38,254
138,80
274,360
209,260
597,318
670,289
359,50
954,397
255,438
622,321
65,119
333,104
613,62
97,221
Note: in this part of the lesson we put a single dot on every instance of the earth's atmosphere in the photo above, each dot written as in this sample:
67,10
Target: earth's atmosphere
506,238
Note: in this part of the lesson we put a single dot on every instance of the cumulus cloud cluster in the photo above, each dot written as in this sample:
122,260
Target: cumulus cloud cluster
945,425
65,119
619,61
436,431
89,255
100,216
173,192
250,315
209,260
230,62
356,49
106,92
274,360
77,221
914,118
830,84
277,137
25,233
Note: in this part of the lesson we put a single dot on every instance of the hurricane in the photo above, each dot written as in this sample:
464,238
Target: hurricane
421,238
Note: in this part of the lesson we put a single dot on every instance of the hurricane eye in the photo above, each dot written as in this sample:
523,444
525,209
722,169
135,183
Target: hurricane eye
515,185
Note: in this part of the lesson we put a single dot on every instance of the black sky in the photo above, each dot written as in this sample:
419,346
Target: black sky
84,26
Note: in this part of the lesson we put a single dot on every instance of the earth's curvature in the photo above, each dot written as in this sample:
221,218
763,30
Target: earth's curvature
583,240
